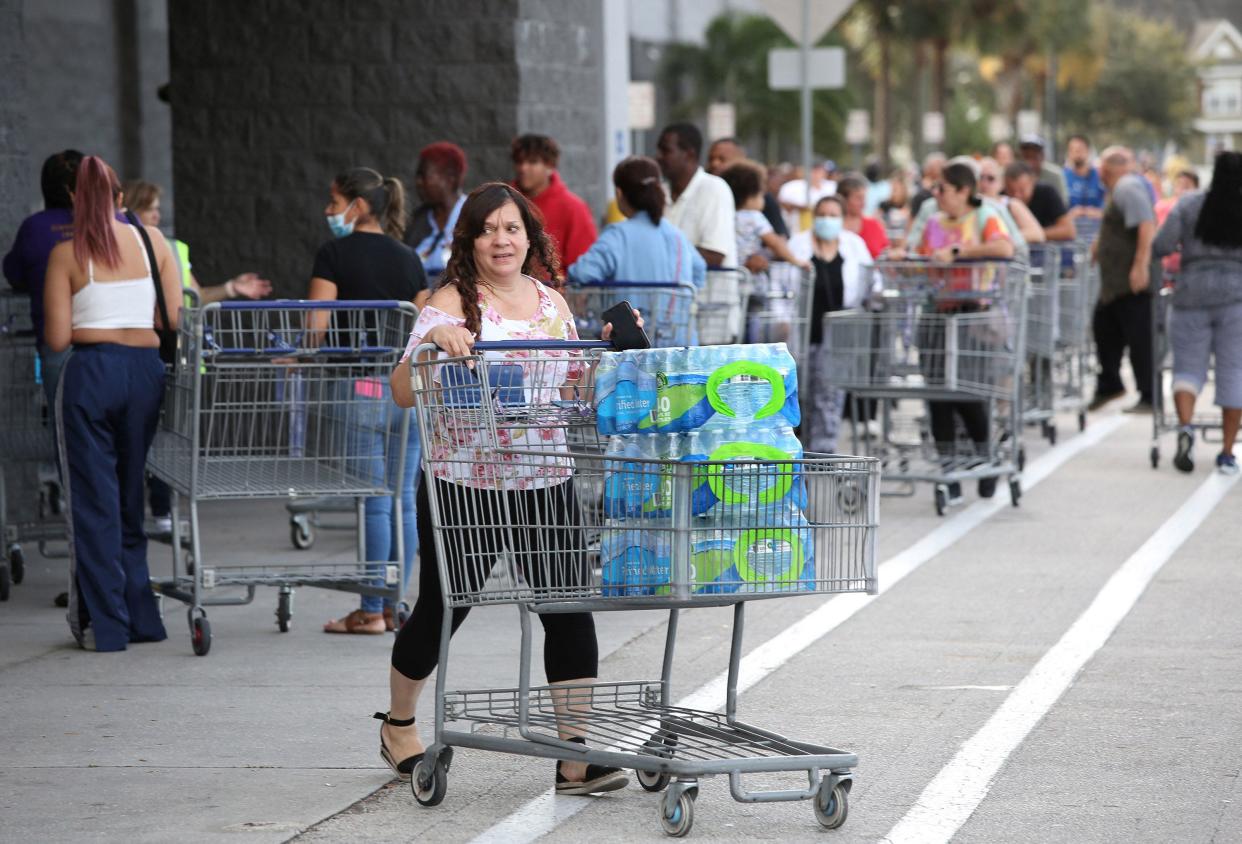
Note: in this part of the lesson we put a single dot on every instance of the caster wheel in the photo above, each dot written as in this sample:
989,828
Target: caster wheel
677,818
1021,459
17,564
401,616
1155,457
942,499
832,805
301,534
284,611
200,635
1015,491
430,784
1082,422
652,780
5,583
849,498
1052,435
189,564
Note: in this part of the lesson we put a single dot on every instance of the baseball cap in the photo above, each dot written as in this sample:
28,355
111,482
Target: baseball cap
1031,140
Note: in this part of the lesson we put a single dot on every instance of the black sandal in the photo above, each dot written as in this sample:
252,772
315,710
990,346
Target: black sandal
597,780
405,768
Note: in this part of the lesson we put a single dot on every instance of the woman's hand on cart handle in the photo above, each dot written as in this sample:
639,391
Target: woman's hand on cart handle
606,333
454,339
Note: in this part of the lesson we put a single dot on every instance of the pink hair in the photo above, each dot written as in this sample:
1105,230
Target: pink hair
94,209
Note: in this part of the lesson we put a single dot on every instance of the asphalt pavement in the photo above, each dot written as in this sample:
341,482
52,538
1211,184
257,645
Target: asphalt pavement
1068,670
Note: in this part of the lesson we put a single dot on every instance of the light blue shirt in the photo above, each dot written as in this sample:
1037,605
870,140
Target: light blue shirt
436,247
636,250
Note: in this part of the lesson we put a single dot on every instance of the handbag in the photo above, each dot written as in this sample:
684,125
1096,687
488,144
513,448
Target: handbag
168,336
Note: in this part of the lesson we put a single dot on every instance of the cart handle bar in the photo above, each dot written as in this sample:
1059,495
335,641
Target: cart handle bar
651,284
311,305
539,345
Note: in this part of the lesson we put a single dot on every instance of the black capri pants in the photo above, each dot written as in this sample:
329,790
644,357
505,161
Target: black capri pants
548,538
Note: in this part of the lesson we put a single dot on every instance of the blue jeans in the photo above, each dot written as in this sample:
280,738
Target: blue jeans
374,421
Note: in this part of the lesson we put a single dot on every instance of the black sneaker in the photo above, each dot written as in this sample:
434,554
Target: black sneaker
1102,399
1185,444
987,487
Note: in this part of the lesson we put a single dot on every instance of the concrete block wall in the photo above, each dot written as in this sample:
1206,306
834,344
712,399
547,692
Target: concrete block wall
272,98
14,128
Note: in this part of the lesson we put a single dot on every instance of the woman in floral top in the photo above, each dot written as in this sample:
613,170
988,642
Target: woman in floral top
489,295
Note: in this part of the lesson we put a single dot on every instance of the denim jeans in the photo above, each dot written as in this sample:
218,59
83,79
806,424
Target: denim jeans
373,428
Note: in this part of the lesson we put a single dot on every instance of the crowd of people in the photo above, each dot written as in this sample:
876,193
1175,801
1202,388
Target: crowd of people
489,263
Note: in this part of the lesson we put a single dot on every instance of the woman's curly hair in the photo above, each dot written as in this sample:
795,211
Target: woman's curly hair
542,261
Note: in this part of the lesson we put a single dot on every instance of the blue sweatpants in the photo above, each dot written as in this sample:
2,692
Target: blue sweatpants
108,411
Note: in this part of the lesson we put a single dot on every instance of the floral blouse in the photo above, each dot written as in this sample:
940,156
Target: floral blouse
463,447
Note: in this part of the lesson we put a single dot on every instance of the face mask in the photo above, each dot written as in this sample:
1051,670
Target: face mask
828,228
337,224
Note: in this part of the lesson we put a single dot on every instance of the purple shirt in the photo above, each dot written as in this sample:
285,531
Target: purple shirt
26,264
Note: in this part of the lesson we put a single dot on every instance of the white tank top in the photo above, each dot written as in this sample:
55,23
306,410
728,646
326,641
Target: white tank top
125,303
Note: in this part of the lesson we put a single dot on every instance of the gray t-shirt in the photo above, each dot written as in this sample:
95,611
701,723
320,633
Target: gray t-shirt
1129,206
1130,195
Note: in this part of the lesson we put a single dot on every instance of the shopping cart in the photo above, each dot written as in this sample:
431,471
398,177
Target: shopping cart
29,488
942,333
280,400
667,308
1079,289
1207,424
795,527
779,310
720,305
1043,323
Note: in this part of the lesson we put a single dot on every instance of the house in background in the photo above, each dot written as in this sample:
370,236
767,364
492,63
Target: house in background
1216,51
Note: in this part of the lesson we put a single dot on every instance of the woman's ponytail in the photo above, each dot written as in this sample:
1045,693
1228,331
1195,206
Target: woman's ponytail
394,213
94,209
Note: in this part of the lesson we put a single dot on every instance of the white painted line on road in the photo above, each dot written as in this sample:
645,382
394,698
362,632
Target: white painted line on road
953,794
544,813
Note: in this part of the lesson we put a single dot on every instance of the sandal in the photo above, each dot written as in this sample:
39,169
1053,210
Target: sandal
597,780
405,768
359,622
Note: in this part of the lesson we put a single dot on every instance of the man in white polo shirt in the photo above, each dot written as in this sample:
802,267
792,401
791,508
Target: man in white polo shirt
701,205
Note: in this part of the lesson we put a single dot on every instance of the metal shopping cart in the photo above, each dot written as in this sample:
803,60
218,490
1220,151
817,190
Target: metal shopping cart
667,308
280,400
29,487
1207,424
943,333
794,527
1079,289
720,305
779,310
1043,322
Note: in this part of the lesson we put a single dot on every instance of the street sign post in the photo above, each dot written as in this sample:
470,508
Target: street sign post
826,67
721,121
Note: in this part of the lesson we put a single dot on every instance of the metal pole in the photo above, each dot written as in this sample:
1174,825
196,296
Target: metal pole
806,97
1050,105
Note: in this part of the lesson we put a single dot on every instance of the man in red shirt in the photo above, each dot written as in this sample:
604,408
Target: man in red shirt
566,217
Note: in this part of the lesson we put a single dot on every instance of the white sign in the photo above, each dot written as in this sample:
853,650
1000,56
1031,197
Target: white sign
999,128
933,127
788,16
721,121
858,126
642,106
1028,122
826,67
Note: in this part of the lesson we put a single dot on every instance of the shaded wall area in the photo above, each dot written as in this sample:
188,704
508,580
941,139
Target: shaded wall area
272,98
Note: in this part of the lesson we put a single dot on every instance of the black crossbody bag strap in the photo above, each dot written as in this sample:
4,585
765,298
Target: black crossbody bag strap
168,337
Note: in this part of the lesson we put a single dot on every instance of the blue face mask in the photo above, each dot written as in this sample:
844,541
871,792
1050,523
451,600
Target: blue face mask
828,228
337,224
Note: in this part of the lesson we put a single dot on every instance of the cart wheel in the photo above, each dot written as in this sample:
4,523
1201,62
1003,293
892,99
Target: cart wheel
400,616
189,564
200,635
942,499
1082,421
1015,491
430,784
652,780
832,805
17,563
1155,457
677,815
1052,435
1021,459
849,498
301,534
5,584
284,611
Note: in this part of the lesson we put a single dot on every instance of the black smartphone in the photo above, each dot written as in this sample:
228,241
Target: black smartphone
625,331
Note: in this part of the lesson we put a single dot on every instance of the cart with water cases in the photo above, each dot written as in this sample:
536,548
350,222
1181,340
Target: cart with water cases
936,332
668,308
779,310
507,391
30,496
277,400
